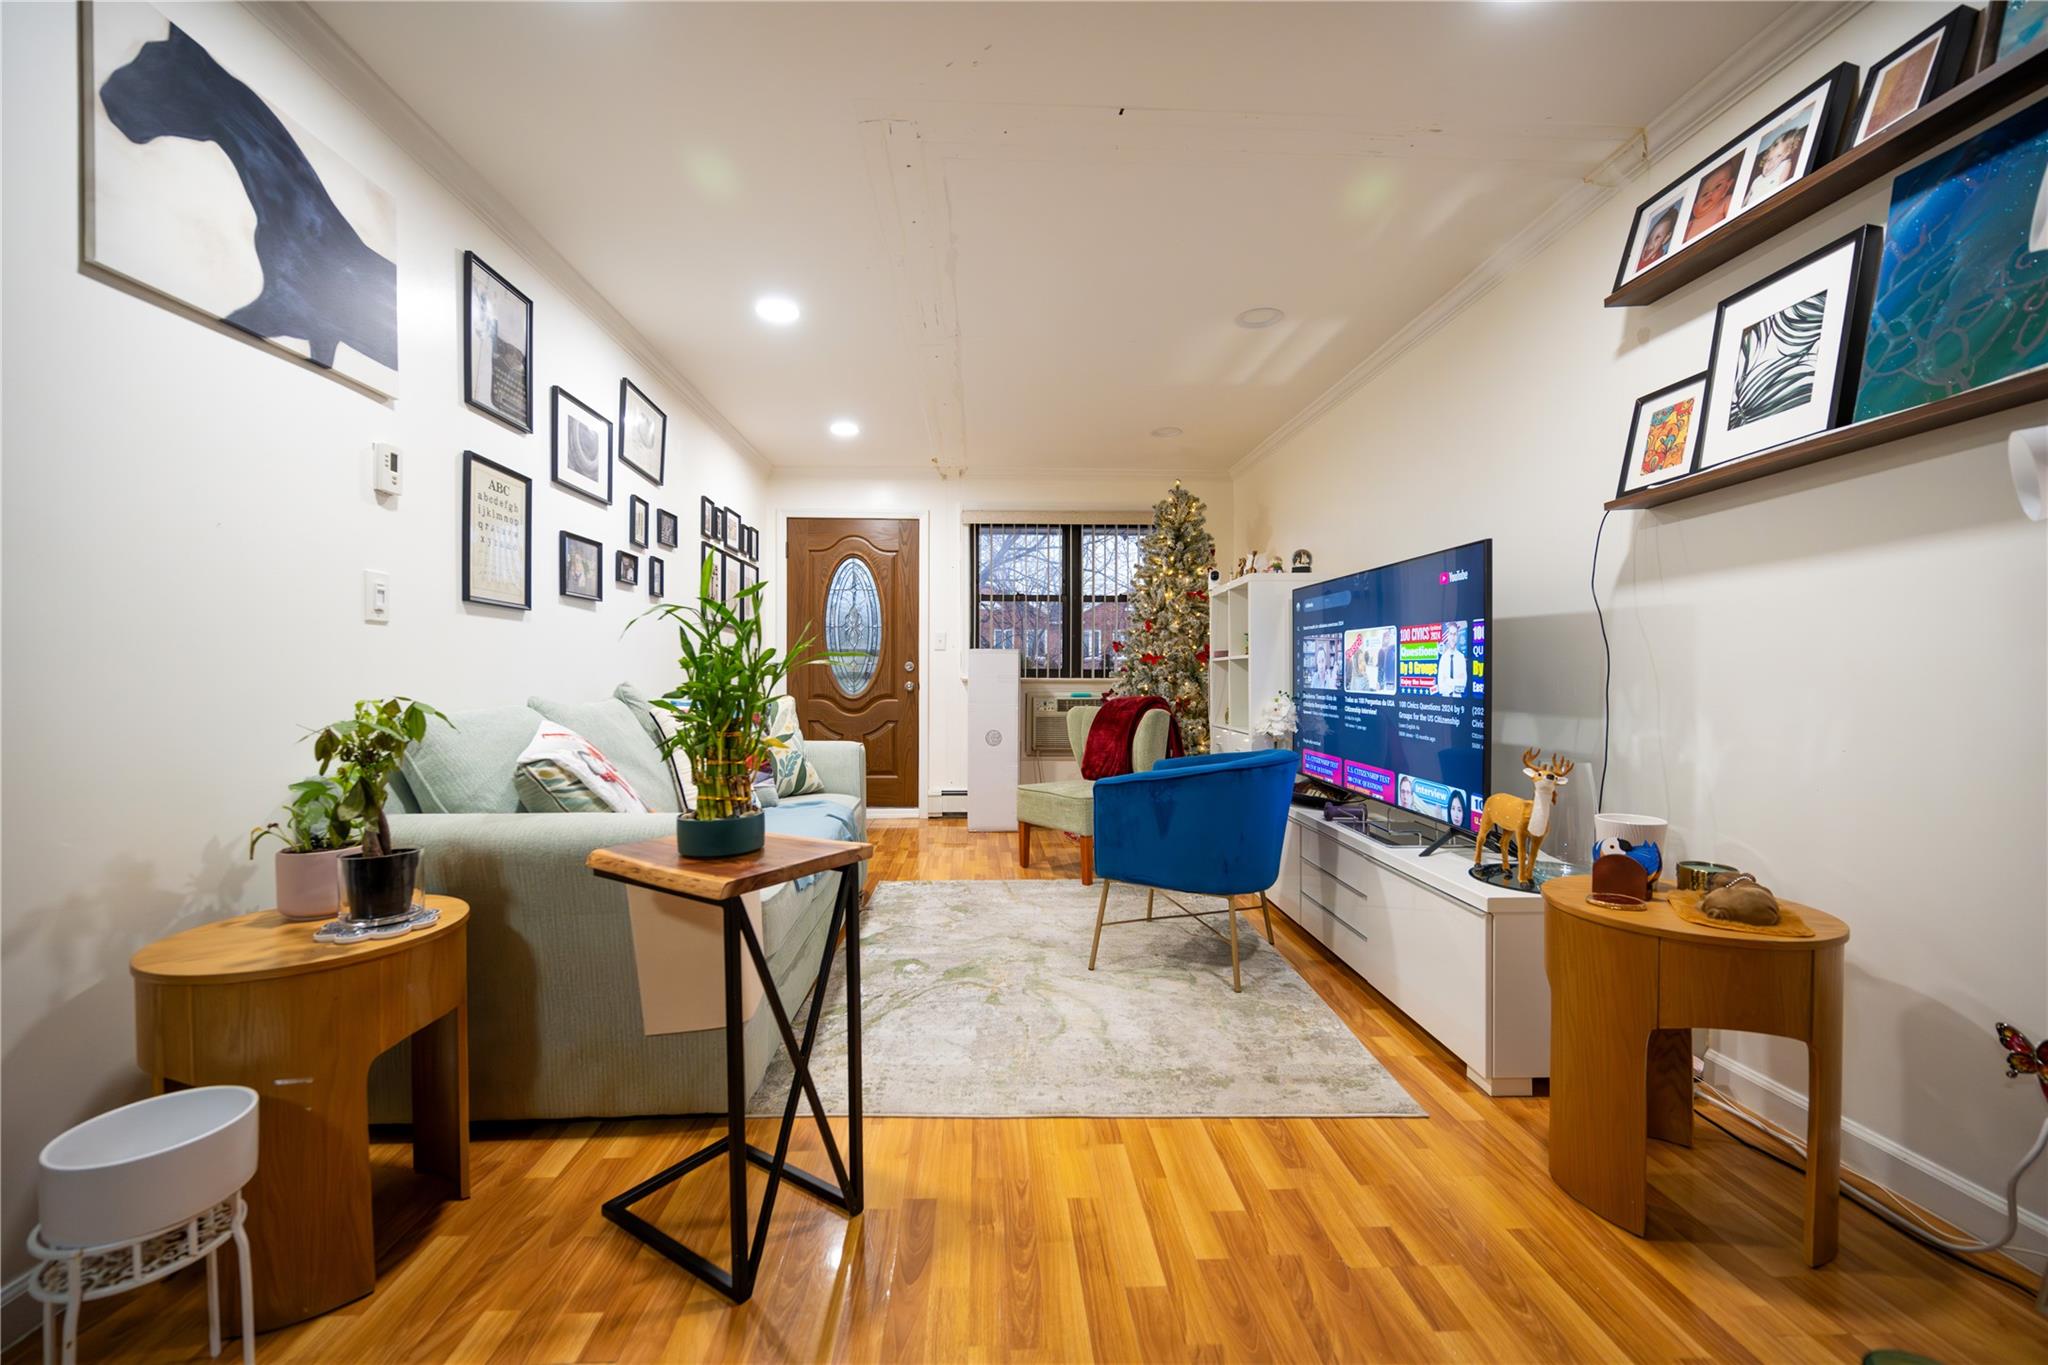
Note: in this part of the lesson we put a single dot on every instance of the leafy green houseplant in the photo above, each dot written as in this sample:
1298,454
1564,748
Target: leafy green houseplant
731,679
315,834
361,754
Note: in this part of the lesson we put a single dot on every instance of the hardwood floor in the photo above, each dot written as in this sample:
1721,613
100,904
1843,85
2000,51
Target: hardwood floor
1059,1239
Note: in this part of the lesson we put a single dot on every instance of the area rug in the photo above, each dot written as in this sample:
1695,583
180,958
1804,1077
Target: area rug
978,1002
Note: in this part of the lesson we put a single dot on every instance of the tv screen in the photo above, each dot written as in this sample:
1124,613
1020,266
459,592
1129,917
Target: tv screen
1391,683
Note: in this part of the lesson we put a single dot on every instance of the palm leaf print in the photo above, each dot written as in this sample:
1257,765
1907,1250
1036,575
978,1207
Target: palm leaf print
1774,367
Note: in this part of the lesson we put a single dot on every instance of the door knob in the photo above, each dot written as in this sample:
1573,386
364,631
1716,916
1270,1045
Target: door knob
910,687
910,665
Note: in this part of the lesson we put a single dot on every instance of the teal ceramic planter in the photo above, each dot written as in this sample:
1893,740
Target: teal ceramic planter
727,837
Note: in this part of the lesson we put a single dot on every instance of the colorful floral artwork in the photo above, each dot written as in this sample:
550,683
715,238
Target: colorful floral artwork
1664,445
1962,294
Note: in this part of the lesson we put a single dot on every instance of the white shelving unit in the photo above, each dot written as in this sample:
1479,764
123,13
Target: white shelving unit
1248,654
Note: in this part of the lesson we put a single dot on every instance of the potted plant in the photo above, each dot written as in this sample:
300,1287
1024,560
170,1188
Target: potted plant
362,753
314,835
721,709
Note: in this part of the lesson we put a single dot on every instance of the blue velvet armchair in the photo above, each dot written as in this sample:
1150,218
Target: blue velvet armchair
1207,824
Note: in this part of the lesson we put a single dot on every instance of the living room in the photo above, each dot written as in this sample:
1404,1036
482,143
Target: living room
982,680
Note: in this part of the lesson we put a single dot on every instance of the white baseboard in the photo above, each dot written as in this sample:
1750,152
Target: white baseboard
20,1315
1932,1186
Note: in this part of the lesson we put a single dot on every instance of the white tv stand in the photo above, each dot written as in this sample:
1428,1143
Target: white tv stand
1461,958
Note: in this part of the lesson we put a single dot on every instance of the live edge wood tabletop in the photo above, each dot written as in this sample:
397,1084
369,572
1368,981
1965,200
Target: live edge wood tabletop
255,1001
655,864
1627,987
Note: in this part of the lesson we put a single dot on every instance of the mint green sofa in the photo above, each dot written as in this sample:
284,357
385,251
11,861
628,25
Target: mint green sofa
554,1005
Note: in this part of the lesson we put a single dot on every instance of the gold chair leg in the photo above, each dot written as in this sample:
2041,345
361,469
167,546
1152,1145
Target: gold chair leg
1266,908
1150,892
1101,906
1236,980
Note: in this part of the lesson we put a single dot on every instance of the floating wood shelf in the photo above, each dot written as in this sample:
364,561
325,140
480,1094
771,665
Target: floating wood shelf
2017,391
1982,95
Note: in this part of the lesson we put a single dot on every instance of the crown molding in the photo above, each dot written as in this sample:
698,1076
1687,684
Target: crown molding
1783,41
320,47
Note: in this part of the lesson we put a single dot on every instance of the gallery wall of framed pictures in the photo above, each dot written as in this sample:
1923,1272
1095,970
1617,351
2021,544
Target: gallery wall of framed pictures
1941,300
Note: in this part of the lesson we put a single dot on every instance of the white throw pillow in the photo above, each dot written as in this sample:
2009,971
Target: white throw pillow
562,771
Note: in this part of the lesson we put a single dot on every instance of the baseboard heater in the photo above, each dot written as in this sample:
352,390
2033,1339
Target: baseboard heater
947,801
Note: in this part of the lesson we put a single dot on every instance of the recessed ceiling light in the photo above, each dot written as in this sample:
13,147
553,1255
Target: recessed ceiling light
1259,317
1166,431
845,428
777,309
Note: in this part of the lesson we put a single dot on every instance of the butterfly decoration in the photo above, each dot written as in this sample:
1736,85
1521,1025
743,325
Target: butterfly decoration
2022,1056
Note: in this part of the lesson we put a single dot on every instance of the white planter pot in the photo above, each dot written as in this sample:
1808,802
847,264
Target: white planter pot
309,884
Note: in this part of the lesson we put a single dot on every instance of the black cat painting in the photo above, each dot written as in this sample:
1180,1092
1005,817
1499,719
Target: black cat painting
322,286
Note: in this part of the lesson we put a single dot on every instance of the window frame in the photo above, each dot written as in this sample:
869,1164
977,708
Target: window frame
1071,599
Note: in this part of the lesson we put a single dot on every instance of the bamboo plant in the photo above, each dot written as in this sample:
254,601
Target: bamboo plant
731,679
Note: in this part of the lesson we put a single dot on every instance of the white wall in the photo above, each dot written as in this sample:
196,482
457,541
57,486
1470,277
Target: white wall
187,520
942,502
1834,677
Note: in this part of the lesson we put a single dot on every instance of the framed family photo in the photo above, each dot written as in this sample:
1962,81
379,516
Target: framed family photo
643,432
1785,353
636,521
1920,69
1663,435
581,451
497,534
627,571
667,530
497,345
1775,151
582,568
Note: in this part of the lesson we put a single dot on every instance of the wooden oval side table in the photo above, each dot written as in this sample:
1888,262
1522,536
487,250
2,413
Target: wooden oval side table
255,1001
1627,988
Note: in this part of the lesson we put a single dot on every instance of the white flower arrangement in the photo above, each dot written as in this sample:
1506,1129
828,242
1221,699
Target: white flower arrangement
1276,719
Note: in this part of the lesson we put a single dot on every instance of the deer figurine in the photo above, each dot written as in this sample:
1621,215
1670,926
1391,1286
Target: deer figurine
1526,822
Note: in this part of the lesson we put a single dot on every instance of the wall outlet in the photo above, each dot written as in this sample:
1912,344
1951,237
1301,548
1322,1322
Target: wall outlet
376,596
384,469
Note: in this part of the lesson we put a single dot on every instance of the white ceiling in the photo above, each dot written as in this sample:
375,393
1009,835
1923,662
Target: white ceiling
1020,232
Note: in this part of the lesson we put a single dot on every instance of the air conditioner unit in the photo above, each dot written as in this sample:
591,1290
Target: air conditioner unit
1045,715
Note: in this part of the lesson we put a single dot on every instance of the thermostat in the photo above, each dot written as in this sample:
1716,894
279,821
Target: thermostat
384,475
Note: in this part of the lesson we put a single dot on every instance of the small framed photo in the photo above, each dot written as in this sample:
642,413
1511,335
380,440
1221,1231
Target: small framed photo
643,432
1922,68
708,524
636,521
582,448
1785,353
582,568
626,568
729,578
710,555
730,523
750,542
1710,196
497,345
2010,25
657,578
750,577
667,530
497,534
1662,435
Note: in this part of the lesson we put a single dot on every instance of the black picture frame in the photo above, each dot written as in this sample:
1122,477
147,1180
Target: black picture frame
597,565
522,420
638,515
1635,425
470,460
667,529
1828,128
657,578
1868,243
628,390
707,520
730,522
709,552
1994,32
1954,31
626,568
556,399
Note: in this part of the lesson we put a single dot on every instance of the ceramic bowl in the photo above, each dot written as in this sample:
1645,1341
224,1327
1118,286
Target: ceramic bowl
1637,829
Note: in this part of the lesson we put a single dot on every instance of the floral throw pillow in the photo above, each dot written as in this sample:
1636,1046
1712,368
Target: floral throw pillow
794,775
562,771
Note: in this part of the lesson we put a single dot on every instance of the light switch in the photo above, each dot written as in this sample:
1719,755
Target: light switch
938,639
376,596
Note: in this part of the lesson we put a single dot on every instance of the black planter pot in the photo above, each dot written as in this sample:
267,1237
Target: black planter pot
727,837
378,890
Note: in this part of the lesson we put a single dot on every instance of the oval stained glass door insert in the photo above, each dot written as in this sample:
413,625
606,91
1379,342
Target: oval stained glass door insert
853,626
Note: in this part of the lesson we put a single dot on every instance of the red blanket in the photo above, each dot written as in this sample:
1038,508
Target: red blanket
1109,739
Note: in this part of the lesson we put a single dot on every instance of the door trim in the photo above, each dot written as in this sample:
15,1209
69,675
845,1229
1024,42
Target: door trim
780,625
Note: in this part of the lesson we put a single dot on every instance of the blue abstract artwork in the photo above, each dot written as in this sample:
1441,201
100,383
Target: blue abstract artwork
1962,293
199,190
2022,22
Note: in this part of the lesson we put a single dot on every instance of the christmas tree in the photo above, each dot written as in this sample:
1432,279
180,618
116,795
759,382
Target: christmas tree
1165,653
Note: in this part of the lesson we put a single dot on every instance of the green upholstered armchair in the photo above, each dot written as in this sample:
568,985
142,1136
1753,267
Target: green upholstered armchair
1069,806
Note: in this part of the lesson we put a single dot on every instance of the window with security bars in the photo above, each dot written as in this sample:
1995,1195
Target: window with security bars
1060,593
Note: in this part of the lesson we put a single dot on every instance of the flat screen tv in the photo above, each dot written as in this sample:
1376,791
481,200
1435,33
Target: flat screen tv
1392,682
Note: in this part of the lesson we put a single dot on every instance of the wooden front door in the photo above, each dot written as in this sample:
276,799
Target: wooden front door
853,588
